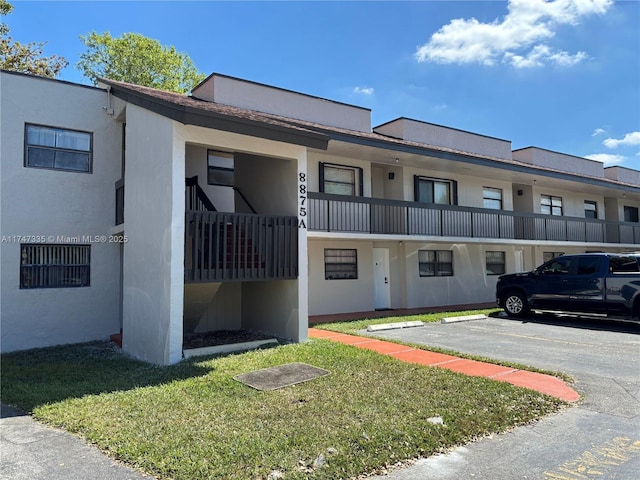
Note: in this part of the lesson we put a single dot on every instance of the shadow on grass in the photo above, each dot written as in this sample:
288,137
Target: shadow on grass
38,377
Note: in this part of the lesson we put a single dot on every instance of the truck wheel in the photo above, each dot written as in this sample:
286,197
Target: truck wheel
515,304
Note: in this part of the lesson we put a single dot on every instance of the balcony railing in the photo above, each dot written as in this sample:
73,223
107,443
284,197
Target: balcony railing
337,213
226,247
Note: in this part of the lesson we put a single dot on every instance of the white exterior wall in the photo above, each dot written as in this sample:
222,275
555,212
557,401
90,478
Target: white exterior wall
469,187
264,98
377,183
154,223
268,184
340,296
275,307
196,164
55,204
614,207
440,136
225,310
313,169
469,284
572,202
623,174
559,161
267,173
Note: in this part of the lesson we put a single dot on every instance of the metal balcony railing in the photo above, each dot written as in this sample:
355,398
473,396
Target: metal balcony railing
338,213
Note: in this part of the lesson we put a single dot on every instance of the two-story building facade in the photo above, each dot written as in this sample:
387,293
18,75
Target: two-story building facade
246,206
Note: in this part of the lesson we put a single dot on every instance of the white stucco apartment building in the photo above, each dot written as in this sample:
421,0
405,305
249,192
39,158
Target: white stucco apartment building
246,206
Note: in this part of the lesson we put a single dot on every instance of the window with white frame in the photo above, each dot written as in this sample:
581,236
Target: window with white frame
340,264
54,266
550,205
435,190
590,209
57,148
220,168
495,263
435,263
492,198
340,179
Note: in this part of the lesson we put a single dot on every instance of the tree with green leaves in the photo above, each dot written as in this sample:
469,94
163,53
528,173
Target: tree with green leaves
26,58
134,58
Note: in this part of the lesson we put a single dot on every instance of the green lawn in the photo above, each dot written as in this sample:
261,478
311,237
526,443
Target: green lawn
193,421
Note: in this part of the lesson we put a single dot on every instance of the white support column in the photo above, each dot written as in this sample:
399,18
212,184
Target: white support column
153,273
176,266
303,264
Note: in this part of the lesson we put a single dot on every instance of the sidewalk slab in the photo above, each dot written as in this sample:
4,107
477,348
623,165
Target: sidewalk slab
539,382
32,451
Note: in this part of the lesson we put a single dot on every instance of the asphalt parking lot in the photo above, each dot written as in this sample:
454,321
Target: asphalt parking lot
597,438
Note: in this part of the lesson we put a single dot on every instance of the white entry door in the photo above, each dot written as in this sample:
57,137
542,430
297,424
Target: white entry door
381,280
519,261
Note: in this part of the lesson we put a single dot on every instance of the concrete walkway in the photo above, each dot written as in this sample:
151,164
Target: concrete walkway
32,451
539,382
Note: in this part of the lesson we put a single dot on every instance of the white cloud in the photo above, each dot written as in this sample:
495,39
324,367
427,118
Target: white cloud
541,54
518,38
363,90
607,158
598,131
632,138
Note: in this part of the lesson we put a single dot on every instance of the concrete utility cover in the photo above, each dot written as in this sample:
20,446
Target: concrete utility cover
281,376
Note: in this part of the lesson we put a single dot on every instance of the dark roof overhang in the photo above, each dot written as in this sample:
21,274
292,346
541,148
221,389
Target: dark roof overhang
209,118
519,167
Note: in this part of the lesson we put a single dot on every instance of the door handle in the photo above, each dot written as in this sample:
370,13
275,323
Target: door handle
386,280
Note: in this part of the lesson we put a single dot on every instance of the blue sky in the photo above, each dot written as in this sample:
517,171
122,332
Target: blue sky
562,75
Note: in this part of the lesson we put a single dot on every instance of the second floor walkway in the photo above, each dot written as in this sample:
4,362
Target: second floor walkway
339,213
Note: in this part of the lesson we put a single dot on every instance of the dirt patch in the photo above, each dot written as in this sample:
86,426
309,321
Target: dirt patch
222,337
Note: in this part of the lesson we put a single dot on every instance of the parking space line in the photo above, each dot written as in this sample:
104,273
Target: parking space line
598,461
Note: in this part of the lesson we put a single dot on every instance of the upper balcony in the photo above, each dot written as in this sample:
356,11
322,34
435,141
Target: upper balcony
231,247
339,213
236,247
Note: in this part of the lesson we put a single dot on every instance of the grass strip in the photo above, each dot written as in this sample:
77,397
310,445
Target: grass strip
192,420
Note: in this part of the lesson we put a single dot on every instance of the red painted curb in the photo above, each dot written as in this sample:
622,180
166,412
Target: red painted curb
539,382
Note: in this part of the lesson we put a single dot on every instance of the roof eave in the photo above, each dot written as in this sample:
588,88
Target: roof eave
198,117
474,160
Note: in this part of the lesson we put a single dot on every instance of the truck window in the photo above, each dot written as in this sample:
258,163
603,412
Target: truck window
623,265
588,265
557,267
